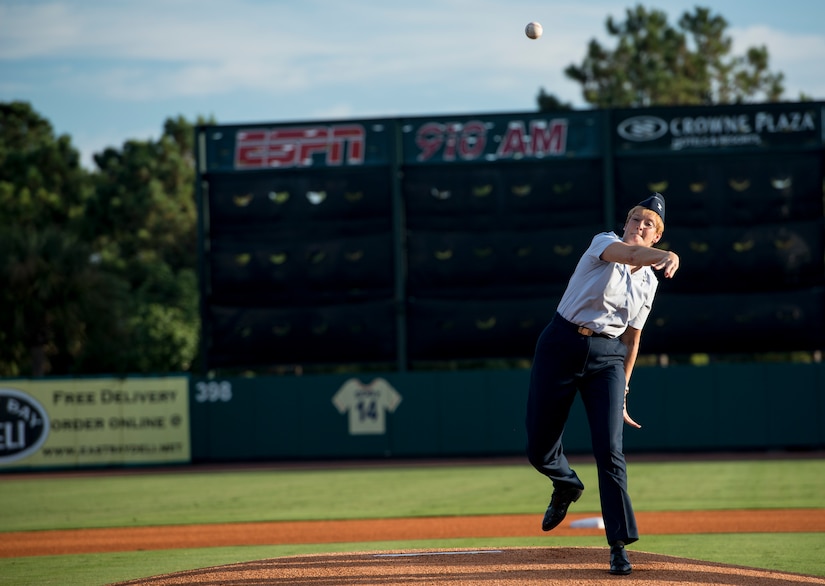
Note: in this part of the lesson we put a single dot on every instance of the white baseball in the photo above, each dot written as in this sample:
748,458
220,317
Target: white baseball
533,30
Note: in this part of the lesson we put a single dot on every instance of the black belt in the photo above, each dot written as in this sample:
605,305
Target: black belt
580,329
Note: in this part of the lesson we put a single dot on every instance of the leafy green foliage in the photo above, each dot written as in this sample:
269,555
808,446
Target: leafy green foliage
655,64
54,296
551,103
142,222
41,180
97,268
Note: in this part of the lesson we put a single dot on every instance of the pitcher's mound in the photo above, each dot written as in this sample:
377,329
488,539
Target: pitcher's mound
459,567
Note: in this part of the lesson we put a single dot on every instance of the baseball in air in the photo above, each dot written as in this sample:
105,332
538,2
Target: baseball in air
533,30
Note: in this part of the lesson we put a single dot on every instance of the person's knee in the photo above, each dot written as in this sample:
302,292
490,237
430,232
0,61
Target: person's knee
610,458
535,457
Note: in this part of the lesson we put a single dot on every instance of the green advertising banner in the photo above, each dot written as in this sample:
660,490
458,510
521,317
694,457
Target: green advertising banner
59,423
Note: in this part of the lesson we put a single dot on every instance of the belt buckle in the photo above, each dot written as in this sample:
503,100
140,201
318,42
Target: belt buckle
585,331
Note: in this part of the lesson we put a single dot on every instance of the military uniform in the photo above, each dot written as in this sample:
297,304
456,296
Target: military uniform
580,351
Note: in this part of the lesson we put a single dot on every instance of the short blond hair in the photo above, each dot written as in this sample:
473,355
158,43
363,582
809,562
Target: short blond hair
660,224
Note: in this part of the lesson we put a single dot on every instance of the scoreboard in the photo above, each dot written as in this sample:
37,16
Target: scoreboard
409,241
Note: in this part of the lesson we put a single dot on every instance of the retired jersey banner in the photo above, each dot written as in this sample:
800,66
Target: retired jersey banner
59,423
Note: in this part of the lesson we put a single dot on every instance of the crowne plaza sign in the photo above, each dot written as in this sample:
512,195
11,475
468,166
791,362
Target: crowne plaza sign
746,126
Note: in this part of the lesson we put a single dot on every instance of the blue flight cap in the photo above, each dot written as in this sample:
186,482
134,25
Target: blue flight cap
655,202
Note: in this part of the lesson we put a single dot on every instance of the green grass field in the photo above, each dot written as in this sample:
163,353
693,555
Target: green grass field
170,498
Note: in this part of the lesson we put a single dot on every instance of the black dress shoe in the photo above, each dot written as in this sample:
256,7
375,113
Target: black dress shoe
619,563
557,510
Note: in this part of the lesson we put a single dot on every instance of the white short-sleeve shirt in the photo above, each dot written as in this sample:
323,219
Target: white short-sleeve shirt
606,296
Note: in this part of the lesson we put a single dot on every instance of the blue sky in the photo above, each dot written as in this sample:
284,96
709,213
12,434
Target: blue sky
107,71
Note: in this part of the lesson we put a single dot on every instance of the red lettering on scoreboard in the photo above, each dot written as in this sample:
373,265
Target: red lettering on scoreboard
544,138
453,141
298,146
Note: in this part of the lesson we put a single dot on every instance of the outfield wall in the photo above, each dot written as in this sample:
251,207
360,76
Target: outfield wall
426,414
88,422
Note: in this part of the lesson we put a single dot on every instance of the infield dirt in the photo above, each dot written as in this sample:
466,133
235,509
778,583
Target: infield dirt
78,541
488,567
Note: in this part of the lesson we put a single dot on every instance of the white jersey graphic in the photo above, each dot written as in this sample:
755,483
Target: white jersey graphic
367,405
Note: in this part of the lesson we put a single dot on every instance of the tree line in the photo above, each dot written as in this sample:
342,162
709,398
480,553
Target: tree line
98,269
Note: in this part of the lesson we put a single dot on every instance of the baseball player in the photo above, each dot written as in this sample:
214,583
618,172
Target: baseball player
590,346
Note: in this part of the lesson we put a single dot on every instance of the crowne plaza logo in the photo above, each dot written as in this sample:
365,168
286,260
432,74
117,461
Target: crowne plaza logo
642,128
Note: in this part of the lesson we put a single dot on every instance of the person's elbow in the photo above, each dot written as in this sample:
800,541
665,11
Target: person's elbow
621,253
631,336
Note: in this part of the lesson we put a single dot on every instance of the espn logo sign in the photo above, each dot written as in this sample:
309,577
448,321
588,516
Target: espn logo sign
299,146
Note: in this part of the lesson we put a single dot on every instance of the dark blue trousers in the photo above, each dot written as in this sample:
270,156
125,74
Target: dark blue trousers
567,362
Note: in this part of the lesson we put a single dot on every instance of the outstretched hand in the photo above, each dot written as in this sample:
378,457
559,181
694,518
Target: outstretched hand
627,418
669,264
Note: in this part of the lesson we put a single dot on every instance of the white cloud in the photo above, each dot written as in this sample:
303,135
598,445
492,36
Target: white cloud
147,50
34,30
